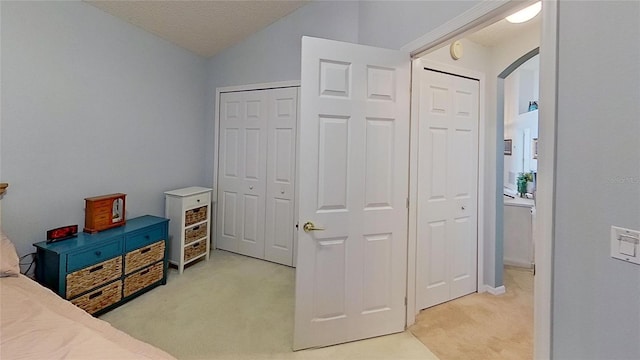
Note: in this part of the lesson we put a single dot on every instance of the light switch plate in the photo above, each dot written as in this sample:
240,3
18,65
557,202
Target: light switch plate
625,244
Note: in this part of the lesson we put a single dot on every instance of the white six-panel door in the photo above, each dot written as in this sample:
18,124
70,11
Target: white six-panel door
353,186
257,173
447,214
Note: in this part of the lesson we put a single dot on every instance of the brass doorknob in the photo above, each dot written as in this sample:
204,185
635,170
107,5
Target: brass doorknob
309,226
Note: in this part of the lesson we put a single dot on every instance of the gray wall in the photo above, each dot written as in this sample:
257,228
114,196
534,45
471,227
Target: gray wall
92,105
596,300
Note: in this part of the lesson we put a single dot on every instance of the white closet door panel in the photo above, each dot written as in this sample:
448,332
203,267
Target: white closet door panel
241,185
447,190
283,105
230,177
464,160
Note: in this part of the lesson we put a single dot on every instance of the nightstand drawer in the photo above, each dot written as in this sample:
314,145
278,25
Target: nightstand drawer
195,216
88,278
142,257
194,250
195,233
83,259
143,278
144,238
197,200
100,298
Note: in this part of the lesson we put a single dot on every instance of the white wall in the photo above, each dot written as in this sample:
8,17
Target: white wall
92,105
596,299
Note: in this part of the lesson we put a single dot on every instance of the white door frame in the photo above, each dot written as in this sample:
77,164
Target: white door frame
417,68
471,20
216,147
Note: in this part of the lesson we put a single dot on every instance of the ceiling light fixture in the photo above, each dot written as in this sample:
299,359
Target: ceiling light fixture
525,14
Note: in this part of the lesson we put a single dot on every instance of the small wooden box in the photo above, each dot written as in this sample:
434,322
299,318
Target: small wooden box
104,212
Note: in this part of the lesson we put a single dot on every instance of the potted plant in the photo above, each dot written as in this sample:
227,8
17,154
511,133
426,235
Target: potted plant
525,183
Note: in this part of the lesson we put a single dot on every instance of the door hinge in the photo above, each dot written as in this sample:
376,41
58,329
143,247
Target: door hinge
407,203
405,301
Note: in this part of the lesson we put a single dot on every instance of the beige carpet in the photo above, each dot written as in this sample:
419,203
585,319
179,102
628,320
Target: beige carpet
236,307
487,326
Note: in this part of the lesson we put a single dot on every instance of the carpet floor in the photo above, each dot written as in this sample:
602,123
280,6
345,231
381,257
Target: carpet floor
487,326
236,307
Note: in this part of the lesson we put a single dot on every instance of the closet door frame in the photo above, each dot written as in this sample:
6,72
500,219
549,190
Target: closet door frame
216,149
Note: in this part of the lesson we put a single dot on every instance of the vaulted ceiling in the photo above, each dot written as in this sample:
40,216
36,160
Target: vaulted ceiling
207,27
203,27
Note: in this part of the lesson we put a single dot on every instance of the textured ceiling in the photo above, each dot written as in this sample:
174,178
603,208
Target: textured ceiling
204,27
502,30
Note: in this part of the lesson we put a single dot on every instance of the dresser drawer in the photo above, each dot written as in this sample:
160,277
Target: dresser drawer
142,257
144,238
143,278
195,216
197,200
88,278
100,298
194,250
83,259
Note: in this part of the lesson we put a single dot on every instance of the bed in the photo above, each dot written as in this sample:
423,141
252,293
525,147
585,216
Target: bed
35,323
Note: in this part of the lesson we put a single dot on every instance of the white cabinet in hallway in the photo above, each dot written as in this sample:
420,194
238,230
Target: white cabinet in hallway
256,172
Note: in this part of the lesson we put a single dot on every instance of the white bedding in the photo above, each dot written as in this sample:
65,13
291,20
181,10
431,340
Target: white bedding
38,324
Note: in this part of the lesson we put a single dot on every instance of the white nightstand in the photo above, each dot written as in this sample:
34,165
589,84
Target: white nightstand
189,210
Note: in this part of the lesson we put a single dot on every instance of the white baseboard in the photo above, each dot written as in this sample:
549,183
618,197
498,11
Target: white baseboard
494,291
518,263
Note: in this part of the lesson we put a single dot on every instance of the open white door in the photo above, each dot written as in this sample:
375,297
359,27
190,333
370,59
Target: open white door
353,187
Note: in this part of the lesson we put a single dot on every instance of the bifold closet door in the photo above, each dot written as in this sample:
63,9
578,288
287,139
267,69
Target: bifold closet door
242,172
256,173
281,160
447,244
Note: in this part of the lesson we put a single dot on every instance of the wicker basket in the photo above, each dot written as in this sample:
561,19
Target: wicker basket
142,257
143,278
88,278
195,233
195,216
100,298
193,250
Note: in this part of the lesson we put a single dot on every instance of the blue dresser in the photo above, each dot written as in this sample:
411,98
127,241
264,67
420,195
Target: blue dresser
101,271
